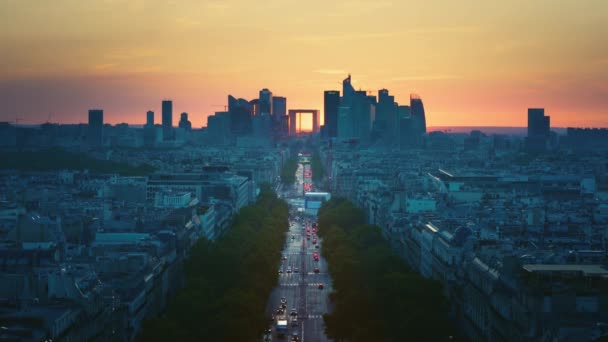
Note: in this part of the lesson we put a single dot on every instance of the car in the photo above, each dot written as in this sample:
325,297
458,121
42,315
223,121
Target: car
293,312
296,270
317,270
295,337
269,331
280,271
279,311
283,300
307,237
268,338
294,322
283,306
293,237
320,286
284,257
316,246
288,269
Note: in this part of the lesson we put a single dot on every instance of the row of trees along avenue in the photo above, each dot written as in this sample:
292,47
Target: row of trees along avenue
228,281
288,173
376,296
317,167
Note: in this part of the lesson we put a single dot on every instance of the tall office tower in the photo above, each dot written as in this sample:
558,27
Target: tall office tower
283,128
348,92
167,113
417,110
279,107
240,116
345,123
384,125
261,126
255,107
538,123
149,130
265,102
539,129
95,131
331,103
184,123
218,128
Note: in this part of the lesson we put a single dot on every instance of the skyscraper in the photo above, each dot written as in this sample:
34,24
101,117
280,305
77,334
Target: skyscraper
331,103
240,116
167,113
149,130
95,131
150,118
418,115
539,129
538,123
279,107
385,123
184,123
255,107
265,102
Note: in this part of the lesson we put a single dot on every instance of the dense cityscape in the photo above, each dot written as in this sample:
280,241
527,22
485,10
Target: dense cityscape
107,230
303,171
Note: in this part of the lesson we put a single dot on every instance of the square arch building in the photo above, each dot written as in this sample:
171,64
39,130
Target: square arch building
293,117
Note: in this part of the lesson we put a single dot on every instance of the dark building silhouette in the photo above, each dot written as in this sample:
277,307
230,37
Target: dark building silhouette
539,130
167,113
586,138
356,113
150,118
255,107
184,123
418,115
538,123
265,102
279,107
149,130
331,103
95,131
385,123
348,92
240,116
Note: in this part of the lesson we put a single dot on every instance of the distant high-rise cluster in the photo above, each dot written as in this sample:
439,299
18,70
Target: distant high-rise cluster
356,115
263,119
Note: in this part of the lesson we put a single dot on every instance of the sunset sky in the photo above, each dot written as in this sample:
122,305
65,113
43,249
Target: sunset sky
473,63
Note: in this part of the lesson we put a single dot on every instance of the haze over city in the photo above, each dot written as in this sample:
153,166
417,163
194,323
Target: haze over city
475,64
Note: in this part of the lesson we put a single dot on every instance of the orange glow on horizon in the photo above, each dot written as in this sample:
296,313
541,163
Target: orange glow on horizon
472,63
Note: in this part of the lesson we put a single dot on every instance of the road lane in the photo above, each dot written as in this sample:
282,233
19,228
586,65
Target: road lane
301,288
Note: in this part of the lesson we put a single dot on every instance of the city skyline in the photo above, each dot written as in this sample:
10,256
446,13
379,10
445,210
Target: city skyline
474,64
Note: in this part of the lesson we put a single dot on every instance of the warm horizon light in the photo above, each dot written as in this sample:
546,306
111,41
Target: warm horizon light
473,63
